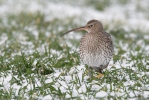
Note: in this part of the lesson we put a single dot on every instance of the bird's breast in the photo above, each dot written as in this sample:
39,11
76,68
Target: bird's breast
91,44
94,50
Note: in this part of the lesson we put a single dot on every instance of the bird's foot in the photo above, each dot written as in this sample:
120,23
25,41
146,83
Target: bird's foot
100,75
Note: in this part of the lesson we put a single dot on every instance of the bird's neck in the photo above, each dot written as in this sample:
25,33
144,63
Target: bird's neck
99,32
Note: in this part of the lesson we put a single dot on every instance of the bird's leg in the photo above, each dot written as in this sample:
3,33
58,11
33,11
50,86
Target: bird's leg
100,72
100,75
90,72
98,69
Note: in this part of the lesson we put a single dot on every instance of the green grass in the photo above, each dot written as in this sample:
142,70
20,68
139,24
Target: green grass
40,64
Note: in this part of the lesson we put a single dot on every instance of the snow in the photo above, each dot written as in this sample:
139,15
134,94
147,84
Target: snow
146,94
101,94
6,82
113,14
48,97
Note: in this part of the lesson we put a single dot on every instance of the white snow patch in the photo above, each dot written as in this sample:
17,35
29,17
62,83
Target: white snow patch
146,94
5,82
82,89
101,94
47,97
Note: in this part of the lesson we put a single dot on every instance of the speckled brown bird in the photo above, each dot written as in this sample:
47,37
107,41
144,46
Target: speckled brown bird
96,46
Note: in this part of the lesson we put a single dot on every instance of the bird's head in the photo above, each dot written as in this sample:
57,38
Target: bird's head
91,26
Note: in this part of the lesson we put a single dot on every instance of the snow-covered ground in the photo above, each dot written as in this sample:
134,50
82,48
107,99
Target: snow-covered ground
127,16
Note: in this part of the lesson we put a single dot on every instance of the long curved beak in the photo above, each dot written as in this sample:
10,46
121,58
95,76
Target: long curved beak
76,29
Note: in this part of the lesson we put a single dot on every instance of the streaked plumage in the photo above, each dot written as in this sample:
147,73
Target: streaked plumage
96,47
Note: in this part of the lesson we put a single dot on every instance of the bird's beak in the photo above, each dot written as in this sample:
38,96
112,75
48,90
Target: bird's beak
76,29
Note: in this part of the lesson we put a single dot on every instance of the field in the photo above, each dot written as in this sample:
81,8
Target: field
37,64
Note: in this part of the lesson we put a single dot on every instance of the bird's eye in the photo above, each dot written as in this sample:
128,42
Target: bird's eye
90,26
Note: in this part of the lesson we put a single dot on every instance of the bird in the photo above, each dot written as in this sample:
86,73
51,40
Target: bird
96,46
